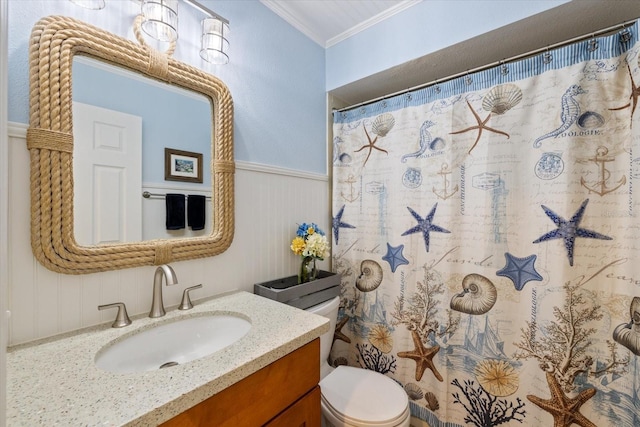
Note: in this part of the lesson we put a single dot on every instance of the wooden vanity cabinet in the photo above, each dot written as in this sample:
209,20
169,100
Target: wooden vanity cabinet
282,394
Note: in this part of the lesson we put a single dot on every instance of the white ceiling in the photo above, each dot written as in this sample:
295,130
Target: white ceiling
328,22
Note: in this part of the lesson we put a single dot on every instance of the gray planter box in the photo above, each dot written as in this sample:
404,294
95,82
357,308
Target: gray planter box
304,295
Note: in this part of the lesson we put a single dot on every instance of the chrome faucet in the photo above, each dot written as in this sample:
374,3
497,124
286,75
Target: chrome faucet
157,306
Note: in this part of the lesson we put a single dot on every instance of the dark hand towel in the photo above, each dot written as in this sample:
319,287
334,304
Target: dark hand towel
196,211
175,211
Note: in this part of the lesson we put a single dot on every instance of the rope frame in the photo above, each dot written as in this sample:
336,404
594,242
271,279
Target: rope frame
54,41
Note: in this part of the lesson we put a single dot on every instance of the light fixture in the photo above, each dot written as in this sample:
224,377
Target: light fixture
89,4
214,42
160,19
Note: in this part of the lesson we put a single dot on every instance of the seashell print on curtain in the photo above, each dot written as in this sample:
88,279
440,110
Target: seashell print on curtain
487,233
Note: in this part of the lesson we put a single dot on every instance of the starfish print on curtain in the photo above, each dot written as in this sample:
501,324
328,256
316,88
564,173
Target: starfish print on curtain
423,356
425,225
338,334
394,257
569,230
337,224
480,126
380,127
565,410
519,270
633,98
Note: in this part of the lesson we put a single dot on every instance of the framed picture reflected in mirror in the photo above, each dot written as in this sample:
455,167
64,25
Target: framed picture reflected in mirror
182,165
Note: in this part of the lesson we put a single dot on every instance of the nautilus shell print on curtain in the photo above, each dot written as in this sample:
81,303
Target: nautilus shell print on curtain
628,334
477,297
370,276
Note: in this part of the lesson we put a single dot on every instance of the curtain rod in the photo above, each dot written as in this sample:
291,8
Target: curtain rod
621,27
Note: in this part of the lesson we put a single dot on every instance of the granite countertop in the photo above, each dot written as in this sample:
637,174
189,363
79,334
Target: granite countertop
55,383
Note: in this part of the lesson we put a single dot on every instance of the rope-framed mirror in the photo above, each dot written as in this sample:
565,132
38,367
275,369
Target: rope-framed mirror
54,42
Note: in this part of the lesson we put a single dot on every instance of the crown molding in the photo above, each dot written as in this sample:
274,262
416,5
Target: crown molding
399,7
292,19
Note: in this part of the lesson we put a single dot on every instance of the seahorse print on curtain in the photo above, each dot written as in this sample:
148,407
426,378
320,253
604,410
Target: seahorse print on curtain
486,231
569,113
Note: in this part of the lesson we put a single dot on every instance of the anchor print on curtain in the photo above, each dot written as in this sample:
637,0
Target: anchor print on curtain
487,230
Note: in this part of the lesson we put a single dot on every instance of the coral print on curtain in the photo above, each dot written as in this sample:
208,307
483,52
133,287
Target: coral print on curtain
488,234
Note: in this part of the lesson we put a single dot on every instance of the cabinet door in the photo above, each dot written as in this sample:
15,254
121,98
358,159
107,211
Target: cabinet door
305,412
261,396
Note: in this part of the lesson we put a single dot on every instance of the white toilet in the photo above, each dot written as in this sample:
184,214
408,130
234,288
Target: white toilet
355,397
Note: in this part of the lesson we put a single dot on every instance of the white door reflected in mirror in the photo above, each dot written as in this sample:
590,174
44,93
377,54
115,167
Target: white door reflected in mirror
107,203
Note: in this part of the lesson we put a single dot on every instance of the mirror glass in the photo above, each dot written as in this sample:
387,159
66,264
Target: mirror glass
122,123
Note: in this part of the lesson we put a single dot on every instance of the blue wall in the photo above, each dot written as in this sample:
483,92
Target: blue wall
420,30
276,75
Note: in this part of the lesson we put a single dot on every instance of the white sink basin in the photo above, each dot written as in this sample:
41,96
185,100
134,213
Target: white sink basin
172,343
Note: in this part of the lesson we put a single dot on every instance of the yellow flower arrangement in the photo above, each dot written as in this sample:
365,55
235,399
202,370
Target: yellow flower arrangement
311,244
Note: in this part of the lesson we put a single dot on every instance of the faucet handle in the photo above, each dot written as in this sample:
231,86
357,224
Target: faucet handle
122,318
186,301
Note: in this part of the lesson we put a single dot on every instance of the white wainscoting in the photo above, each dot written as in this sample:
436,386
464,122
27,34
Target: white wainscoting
269,204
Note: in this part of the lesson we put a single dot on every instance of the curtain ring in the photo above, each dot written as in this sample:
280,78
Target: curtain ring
504,70
436,88
468,80
593,44
547,57
384,103
409,96
625,35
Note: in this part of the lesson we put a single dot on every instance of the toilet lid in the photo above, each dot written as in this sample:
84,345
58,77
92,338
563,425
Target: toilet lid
364,396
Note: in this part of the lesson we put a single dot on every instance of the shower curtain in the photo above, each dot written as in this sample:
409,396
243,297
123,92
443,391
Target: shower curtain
488,238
